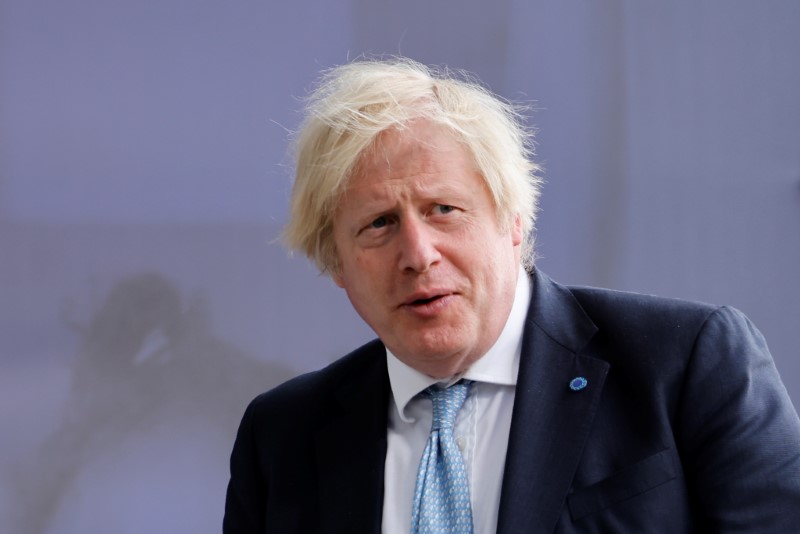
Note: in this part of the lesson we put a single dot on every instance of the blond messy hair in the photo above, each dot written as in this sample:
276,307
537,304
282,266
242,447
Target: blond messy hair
353,103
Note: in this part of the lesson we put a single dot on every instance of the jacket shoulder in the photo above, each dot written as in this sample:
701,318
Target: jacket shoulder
600,301
643,319
662,336
308,395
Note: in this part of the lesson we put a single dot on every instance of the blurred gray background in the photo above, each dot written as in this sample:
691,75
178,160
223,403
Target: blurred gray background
144,180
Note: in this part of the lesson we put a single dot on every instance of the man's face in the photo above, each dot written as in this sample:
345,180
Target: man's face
422,255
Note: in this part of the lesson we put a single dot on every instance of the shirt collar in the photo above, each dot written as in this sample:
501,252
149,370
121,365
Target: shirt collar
499,365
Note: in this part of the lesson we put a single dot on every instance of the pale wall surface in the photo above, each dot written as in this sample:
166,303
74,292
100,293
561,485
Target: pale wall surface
143,180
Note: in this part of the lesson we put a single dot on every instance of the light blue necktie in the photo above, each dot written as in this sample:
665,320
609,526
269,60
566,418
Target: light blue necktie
441,498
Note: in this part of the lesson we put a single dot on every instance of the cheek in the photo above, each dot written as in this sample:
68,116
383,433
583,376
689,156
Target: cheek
362,272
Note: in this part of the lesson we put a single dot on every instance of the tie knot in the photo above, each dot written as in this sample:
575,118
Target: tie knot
447,402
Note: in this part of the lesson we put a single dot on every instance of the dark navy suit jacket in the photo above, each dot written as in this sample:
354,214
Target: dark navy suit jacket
683,426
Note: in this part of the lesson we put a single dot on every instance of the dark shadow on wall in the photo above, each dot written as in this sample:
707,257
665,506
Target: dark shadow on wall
147,357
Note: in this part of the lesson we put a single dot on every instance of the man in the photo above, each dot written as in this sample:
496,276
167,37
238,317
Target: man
578,409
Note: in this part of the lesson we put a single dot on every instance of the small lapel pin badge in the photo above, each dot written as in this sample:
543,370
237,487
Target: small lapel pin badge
578,383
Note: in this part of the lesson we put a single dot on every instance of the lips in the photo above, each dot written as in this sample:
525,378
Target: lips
423,301
421,298
428,304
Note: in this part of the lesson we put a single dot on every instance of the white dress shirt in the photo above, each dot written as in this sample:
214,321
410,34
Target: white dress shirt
481,428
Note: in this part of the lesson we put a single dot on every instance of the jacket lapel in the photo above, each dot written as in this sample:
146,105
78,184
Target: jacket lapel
351,451
550,422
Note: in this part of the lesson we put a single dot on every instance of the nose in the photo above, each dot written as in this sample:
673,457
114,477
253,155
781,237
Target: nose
419,246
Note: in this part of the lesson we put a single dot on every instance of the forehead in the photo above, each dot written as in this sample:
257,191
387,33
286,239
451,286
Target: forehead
418,148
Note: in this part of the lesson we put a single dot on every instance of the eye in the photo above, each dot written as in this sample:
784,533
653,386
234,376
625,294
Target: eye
444,208
380,222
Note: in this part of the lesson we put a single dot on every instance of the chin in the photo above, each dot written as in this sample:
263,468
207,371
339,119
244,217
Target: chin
438,355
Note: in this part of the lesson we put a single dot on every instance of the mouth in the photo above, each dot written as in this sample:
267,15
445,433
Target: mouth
422,299
428,300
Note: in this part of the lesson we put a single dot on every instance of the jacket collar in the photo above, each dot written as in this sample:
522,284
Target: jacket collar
550,421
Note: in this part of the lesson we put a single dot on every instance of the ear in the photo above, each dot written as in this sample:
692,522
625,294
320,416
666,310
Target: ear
516,230
336,276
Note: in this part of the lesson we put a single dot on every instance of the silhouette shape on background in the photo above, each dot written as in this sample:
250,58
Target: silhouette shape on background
146,358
